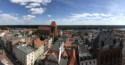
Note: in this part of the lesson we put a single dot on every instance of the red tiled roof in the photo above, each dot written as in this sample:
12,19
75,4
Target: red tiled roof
66,32
68,44
74,54
54,53
15,42
72,58
64,54
44,28
71,38
38,43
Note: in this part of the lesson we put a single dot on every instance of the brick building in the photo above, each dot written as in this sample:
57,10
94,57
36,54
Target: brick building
108,49
52,30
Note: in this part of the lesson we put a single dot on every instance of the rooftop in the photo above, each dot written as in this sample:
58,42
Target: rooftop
84,50
68,44
105,40
38,43
25,48
56,46
73,57
44,28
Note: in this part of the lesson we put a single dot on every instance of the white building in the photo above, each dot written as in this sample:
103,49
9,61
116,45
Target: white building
24,54
28,54
49,42
42,47
55,55
85,57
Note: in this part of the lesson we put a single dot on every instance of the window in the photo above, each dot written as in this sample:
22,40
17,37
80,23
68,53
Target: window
90,62
81,63
86,63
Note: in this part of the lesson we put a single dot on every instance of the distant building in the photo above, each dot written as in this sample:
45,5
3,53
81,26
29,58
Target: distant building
51,30
42,47
24,54
30,53
55,55
108,49
73,58
61,53
10,42
105,49
85,57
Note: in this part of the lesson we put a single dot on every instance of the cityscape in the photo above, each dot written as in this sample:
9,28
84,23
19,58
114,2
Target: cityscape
49,45
62,32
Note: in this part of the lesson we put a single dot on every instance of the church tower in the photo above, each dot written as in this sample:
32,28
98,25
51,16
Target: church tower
53,28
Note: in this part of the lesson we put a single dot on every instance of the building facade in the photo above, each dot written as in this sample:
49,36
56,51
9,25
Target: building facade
24,54
108,49
104,49
42,47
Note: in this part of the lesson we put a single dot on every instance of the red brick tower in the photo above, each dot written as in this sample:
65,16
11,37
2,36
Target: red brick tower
54,28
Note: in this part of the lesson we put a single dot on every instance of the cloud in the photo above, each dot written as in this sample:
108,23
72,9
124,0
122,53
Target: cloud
11,19
93,19
14,14
49,15
44,2
90,15
8,18
23,3
32,5
37,10
29,17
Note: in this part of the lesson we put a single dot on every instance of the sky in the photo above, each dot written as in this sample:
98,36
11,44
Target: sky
64,12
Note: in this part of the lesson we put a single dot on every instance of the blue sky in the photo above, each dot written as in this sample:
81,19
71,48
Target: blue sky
64,12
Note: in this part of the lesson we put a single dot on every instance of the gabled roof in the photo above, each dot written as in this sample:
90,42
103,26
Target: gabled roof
52,56
64,55
72,60
104,36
